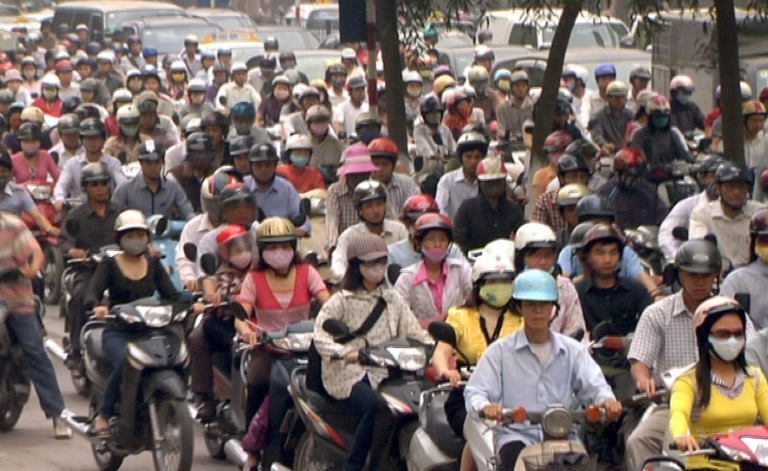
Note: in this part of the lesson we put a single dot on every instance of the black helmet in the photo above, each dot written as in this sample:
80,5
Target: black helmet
69,124
571,163
368,190
582,148
92,127
199,144
236,193
579,233
758,224
241,145
271,44
70,105
29,131
263,153
562,105
151,151
602,233
595,206
286,55
727,172
709,163
699,256
94,172
430,104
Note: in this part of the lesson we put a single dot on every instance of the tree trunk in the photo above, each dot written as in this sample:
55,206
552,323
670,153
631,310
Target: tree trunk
386,21
730,94
545,107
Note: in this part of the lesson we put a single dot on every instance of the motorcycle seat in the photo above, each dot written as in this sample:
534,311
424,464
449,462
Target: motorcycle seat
92,339
435,422
322,404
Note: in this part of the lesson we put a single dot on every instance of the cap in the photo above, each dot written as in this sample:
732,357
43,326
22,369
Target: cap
367,247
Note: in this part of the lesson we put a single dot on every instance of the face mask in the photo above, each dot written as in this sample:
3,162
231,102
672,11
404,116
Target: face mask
433,119
373,274
762,252
241,260
243,128
197,98
50,95
179,77
435,255
299,161
29,75
129,130
683,99
414,92
480,88
727,349
281,95
496,294
367,135
494,190
4,182
318,129
30,148
660,122
134,86
504,85
134,247
338,83
278,259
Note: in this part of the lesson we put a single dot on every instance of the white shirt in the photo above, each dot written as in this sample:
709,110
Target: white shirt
678,216
193,232
347,114
235,94
732,234
393,231
337,100
64,154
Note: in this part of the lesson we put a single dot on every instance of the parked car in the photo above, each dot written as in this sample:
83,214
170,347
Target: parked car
225,18
289,37
462,57
167,33
243,44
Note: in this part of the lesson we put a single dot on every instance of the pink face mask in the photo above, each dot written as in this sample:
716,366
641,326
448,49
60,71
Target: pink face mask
241,260
278,259
318,129
30,147
435,255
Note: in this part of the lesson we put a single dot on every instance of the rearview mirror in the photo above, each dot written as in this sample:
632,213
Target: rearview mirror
393,273
335,327
442,332
418,163
73,227
680,233
190,251
209,263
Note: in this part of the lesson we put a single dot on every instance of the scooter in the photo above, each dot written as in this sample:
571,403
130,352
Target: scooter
152,412
166,237
645,241
324,445
41,192
14,383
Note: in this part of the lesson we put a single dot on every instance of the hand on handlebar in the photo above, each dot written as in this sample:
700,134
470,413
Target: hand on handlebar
251,338
29,272
77,253
647,386
493,412
100,312
686,443
453,376
351,357
191,286
613,408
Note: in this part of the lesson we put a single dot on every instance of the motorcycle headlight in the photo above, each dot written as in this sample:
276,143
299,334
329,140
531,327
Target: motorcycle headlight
409,358
155,316
40,192
298,342
758,446
557,423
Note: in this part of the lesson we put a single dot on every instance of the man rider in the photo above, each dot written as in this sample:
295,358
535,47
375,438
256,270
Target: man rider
685,113
604,75
384,155
661,143
197,165
608,126
570,169
512,113
461,184
159,127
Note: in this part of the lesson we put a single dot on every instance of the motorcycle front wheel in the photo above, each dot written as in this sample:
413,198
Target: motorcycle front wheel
176,429
105,459
10,408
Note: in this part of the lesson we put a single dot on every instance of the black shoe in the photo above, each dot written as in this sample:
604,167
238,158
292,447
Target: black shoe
73,360
206,411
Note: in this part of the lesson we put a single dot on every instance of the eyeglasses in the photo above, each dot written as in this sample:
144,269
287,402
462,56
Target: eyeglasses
724,334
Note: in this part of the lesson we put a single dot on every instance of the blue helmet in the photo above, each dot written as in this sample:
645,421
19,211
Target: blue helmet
535,285
224,51
605,69
502,73
150,51
243,109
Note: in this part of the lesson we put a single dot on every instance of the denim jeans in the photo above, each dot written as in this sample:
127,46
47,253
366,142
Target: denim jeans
26,330
114,344
363,403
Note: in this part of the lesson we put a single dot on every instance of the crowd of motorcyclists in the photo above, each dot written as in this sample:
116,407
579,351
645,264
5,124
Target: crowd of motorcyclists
196,137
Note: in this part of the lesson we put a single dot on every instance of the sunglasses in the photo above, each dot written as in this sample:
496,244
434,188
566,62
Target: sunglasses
724,334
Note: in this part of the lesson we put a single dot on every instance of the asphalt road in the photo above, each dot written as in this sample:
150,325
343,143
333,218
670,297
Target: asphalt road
31,446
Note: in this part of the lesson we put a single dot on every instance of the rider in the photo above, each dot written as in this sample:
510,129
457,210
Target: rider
243,116
461,184
685,113
150,192
513,112
126,143
198,164
49,102
755,141
14,199
384,155
562,369
153,124
32,162
570,170
576,78
567,199
303,177
661,142
554,146
354,386
433,140
608,126
487,100
604,75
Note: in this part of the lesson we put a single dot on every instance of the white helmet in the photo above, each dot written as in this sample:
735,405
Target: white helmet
412,77
492,264
577,71
447,96
128,112
50,80
535,235
130,219
196,85
502,248
298,142
122,95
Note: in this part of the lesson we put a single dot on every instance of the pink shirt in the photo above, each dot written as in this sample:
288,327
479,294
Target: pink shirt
436,288
44,166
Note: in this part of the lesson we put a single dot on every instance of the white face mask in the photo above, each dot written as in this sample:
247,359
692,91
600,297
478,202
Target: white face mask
374,274
727,349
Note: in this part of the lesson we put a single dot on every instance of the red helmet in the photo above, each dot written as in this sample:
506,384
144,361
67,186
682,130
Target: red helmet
232,236
431,221
557,142
229,232
764,179
417,205
383,147
629,159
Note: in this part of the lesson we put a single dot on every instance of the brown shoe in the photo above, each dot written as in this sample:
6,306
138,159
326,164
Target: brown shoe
60,429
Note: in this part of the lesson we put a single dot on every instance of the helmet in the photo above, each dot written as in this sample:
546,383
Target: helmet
147,102
417,205
469,91
430,221
709,163
582,148
699,256
236,193
571,194
557,142
94,172
491,168
69,124
578,234
477,73
317,113
472,140
605,69
28,60
29,131
640,72
412,77
431,31
758,224
50,80
355,82
286,55
309,91
298,142
383,147
33,114
275,230
150,51
595,206
128,114
122,95
243,110
281,80
229,235
728,172
240,145
617,88
716,306
681,83
484,35
520,76
213,186
504,248
502,74
534,235
265,152
488,265
430,104
190,39
443,82
744,88
562,106
630,160
658,104
238,67
484,53
535,285
576,71
199,144
366,119
271,44
368,190
752,107
149,150
6,96
129,220
642,99
571,163
196,85
602,233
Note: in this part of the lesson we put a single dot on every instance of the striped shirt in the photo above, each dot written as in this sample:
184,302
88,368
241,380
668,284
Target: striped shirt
546,211
17,246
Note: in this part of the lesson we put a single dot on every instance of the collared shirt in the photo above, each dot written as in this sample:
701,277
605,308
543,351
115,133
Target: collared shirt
546,212
400,188
753,280
95,231
605,127
679,215
510,373
620,305
280,199
732,234
477,223
452,190
436,287
15,199
326,153
511,116
402,254
169,200
392,232
629,266
636,207
64,154
69,186
193,232
234,94
17,246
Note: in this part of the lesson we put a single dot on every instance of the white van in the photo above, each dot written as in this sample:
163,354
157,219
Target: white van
535,30
106,17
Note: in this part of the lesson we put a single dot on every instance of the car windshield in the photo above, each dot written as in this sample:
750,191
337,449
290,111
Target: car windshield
171,39
587,35
231,22
313,66
291,39
240,53
117,18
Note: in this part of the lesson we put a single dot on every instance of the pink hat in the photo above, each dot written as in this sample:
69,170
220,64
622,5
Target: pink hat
12,74
356,159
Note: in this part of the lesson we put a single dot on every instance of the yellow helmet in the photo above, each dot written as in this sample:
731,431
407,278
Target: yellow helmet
275,230
441,83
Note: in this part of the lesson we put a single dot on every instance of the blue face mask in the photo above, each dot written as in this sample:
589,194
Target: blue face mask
299,161
367,135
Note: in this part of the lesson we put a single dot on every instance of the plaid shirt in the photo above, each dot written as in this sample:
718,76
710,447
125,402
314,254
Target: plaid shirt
400,188
17,246
546,212
340,212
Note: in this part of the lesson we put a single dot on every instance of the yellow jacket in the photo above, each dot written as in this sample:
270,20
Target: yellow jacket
469,337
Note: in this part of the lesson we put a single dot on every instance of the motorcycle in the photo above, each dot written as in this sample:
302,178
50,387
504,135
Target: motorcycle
329,430
152,412
645,241
15,386
41,193
166,237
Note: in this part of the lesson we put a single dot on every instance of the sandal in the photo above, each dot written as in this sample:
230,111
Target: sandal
99,432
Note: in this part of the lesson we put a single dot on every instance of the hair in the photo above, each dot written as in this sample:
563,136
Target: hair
262,265
353,279
474,300
703,367
416,241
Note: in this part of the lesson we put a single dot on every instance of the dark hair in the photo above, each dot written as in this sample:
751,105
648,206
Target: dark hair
262,265
704,365
353,279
